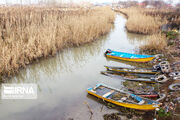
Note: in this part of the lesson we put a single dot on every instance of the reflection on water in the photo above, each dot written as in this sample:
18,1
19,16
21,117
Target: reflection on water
64,62
62,80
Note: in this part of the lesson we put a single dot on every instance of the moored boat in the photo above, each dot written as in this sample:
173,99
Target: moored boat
129,56
115,74
133,70
149,94
122,98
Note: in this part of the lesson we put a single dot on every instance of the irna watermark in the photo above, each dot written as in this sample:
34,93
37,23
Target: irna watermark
19,91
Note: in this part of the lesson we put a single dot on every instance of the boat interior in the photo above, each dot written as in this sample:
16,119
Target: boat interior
118,96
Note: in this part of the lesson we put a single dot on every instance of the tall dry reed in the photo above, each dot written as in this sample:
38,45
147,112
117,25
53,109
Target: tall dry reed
139,22
156,43
29,33
143,21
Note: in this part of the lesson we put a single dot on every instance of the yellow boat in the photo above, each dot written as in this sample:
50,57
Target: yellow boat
128,56
122,98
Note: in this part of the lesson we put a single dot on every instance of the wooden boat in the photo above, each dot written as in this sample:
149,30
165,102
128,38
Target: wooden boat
129,56
148,95
122,98
133,70
115,74
151,94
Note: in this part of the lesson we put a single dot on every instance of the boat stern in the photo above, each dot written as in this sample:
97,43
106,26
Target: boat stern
108,51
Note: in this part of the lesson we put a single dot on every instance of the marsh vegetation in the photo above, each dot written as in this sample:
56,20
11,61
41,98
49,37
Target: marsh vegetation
149,21
31,32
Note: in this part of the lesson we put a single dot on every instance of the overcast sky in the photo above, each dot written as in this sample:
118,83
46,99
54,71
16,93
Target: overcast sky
92,1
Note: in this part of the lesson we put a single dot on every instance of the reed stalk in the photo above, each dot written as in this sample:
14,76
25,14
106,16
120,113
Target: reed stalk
31,32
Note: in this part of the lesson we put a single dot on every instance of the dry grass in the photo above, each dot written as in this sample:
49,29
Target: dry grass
172,15
139,22
144,21
29,33
155,43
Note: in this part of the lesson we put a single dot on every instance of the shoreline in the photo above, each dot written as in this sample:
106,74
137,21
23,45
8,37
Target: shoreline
63,30
170,95
152,46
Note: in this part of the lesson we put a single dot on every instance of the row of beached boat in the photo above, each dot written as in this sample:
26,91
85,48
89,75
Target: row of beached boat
131,99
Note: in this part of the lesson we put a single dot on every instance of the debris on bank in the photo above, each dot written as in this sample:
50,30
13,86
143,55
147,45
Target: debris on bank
156,89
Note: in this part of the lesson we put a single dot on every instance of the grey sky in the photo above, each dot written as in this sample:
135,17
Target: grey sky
92,1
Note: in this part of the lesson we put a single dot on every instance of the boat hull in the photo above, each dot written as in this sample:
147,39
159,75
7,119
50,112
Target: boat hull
127,105
131,59
130,71
115,74
149,96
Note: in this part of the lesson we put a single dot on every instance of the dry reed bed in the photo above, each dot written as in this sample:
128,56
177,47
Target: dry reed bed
156,43
169,14
139,22
29,33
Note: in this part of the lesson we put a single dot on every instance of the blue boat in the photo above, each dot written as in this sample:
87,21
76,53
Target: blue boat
128,56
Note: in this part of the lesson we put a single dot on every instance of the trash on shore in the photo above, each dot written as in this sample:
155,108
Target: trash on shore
175,86
112,116
175,75
134,94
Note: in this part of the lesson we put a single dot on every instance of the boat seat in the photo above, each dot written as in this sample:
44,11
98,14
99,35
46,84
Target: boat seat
93,91
119,100
141,102
108,94
123,98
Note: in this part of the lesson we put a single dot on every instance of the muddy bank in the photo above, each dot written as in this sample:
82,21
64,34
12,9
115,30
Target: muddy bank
167,43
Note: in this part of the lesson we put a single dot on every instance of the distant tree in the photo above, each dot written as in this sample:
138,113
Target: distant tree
155,3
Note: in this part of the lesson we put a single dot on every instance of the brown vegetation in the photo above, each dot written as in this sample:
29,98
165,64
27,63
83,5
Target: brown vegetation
29,33
149,21
155,43
171,15
140,22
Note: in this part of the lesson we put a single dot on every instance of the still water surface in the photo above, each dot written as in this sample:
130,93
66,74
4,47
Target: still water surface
62,80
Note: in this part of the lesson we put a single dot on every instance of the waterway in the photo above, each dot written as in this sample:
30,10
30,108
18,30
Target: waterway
62,80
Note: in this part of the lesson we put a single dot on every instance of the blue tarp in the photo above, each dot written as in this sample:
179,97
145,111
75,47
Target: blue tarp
136,97
128,55
140,99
